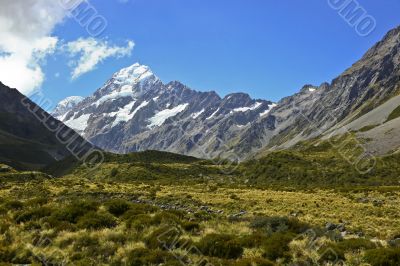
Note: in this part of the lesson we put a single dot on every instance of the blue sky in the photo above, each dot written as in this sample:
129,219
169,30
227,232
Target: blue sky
266,48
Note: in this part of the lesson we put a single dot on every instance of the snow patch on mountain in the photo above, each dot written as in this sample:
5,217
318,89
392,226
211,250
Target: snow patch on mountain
212,115
270,106
242,126
78,124
125,114
245,109
159,118
71,101
124,91
65,105
195,115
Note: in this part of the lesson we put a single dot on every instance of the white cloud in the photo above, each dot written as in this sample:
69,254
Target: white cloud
88,53
25,40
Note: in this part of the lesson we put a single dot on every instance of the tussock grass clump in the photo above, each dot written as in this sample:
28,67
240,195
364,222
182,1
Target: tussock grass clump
33,214
277,245
151,257
139,222
118,207
96,220
275,224
383,257
13,205
221,246
72,212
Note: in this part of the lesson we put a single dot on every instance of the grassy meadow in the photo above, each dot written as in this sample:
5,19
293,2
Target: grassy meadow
164,209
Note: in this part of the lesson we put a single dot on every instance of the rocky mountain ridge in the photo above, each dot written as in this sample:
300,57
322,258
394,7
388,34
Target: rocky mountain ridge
135,111
30,138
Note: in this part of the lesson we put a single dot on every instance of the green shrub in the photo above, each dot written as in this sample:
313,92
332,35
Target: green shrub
146,257
13,205
165,217
190,226
394,114
253,262
331,253
274,224
88,246
383,257
94,220
136,209
356,244
167,238
139,222
118,207
4,226
180,214
276,246
72,212
7,254
37,201
33,214
57,225
203,215
336,251
119,238
114,172
221,246
234,197
253,240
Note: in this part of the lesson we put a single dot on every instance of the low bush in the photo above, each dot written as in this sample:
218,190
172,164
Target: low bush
87,246
253,262
274,224
116,237
72,212
167,238
146,257
85,241
355,244
94,220
139,222
114,172
136,209
394,114
383,257
166,218
253,240
277,245
13,205
37,201
330,254
221,246
190,226
118,207
33,214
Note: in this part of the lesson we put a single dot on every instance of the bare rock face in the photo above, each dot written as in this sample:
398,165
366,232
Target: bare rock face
332,108
135,111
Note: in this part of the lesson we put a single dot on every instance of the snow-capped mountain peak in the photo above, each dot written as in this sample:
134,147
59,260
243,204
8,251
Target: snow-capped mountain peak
134,110
66,105
70,101
134,74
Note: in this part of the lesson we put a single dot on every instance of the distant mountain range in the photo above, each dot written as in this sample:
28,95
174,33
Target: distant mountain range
135,111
